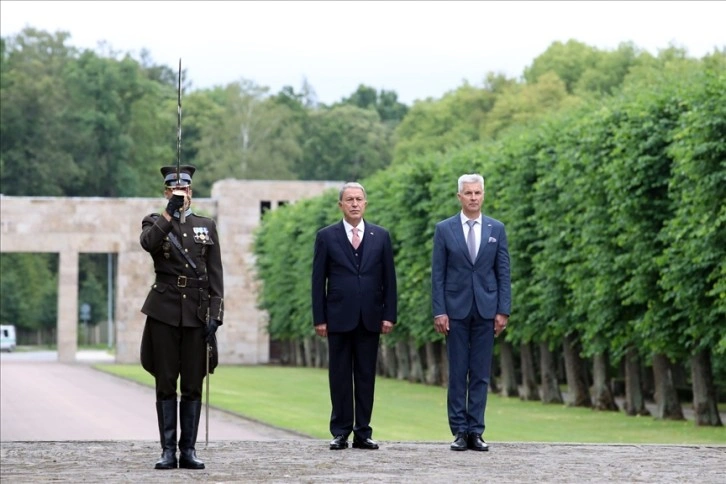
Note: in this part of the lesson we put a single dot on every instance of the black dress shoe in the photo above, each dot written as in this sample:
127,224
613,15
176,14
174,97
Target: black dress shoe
476,443
340,442
369,444
459,443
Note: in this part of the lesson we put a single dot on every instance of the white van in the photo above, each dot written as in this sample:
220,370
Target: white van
7,338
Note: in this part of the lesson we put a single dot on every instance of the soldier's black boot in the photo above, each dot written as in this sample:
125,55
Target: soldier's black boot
166,414
189,413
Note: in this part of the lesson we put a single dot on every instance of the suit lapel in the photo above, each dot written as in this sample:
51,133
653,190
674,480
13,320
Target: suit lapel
457,230
486,231
369,241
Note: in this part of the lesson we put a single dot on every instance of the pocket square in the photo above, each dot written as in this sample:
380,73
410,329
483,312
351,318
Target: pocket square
492,240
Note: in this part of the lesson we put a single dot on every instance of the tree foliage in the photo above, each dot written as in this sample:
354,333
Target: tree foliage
28,290
344,143
385,103
614,208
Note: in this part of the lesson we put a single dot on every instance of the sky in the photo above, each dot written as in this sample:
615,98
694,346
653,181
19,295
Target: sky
419,49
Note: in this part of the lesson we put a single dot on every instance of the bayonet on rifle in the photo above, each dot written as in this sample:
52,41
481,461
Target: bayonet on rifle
182,212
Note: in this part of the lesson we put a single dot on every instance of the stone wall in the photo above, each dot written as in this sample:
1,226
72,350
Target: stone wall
70,226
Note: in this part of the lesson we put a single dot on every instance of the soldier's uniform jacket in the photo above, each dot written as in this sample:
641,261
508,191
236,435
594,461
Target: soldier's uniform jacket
181,295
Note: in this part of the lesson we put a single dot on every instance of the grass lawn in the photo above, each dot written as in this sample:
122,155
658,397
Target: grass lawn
298,399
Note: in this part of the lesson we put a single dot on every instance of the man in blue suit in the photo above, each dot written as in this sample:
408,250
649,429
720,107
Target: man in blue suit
354,300
471,298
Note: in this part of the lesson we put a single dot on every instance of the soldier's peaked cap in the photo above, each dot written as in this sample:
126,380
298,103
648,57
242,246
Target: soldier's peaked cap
185,175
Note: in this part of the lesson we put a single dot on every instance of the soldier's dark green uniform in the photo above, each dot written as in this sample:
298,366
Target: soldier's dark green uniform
184,308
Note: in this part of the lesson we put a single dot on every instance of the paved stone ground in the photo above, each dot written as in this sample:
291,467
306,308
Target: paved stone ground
310,461
111,447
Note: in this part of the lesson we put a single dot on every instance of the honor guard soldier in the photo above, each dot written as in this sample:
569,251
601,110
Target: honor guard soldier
184,308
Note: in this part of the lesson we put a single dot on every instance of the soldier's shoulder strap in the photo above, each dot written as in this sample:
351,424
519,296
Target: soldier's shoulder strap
206,219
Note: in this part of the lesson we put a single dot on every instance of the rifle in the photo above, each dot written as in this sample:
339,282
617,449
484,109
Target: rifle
182,212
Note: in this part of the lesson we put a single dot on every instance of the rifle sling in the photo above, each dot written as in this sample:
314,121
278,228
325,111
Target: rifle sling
176,244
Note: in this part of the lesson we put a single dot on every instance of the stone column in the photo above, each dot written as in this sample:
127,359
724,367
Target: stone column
132,285
67,306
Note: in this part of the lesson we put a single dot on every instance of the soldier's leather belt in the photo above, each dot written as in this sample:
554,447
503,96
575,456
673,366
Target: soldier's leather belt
181,281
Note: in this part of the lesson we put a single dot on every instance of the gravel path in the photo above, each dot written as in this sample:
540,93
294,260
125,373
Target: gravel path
309,461
71,423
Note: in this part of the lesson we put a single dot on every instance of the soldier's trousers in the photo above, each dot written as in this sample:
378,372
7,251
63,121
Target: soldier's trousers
179,354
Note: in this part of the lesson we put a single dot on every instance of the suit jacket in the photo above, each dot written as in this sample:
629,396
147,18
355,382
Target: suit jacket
344,292
456,282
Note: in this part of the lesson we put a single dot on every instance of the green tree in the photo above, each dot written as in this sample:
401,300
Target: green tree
247,135
569,61
344,143
692,267
69,119
455,120
407,185
384,102
610,68
104,96
29,290
33,127
522,104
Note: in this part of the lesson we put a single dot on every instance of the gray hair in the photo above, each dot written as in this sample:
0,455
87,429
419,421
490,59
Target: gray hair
351,185
470,178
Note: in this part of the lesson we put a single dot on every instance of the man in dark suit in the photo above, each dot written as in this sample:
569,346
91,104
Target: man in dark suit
471,298
184,307
354,301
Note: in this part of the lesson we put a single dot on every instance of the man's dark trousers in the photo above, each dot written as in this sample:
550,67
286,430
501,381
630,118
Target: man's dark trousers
352,353
469,345
178,352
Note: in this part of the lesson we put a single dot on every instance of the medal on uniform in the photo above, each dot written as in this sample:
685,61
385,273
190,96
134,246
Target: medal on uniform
201,233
